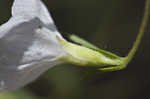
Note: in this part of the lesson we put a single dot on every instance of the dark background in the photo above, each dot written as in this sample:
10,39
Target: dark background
111,25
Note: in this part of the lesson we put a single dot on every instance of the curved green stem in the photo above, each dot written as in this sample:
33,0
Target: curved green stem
141,32
132,52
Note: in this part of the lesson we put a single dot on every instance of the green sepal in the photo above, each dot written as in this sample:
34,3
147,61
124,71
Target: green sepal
84,56
85,43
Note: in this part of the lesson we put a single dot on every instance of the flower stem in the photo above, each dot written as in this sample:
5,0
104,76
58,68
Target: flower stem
141,32
133,50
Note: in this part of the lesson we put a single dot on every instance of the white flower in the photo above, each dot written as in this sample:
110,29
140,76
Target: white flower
28,44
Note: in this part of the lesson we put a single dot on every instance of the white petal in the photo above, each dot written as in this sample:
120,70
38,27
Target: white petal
12,78
13,22
31,8
26,45
45,45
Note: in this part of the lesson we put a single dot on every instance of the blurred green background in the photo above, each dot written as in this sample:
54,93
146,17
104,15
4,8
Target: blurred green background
111,25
